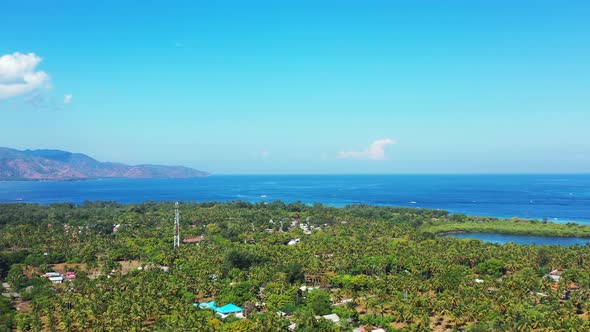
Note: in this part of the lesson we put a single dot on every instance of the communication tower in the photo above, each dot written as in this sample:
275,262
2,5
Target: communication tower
176,226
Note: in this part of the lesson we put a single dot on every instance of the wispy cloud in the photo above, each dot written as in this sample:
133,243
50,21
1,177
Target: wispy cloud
18,75
376,151
35,100
38,101
264,154
68,98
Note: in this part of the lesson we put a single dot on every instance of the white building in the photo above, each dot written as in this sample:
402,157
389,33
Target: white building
56,280
331,317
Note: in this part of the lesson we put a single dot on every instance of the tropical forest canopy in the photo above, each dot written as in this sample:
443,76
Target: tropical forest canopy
371,266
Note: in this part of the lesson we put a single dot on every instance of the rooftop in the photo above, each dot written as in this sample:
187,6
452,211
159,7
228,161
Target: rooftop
229,309
193,239
226,309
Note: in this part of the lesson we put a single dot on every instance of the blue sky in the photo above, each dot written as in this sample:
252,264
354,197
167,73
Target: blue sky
302,86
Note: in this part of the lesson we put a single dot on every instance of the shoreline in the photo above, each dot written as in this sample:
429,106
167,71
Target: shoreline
558,221
554,197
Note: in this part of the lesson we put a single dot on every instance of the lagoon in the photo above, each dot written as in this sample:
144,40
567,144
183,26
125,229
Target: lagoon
523,239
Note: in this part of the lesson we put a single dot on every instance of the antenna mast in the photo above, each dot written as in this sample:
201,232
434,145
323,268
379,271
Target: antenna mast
176,226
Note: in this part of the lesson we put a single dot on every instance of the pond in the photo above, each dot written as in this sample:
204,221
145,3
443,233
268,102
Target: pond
523,239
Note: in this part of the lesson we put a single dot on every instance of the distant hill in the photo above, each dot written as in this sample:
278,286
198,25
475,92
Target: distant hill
62,165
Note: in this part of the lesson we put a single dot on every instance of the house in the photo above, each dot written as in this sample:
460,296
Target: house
293,242
331,317
206,305
54,277
572,287
51,274
306,288
224,311
56,280
305,228
197,239
11,295
553,277
373,329
230,309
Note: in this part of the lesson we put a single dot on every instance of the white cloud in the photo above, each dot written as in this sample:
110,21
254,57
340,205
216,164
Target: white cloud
376,151
264,153
68,98
18,75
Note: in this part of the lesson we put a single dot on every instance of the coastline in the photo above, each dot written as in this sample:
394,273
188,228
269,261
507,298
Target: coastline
556,198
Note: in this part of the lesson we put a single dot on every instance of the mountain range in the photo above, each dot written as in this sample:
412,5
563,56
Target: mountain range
16,165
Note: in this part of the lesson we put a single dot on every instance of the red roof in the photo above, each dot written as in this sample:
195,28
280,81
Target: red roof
194,239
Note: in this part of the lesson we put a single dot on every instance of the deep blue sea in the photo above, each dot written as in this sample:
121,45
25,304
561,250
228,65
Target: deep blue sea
558,198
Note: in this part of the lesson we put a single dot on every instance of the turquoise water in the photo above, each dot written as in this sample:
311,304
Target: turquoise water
559,198
523,239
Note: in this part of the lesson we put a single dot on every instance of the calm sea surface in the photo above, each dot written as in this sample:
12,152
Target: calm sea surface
522,239
555,197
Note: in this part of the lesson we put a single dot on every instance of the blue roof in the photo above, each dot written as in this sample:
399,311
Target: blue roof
208,305
228,309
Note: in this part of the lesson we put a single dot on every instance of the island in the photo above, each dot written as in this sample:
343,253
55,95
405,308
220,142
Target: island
58,165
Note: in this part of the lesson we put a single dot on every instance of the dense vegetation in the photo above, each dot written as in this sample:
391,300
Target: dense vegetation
372,266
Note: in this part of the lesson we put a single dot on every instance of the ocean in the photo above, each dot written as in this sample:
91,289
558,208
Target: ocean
559,198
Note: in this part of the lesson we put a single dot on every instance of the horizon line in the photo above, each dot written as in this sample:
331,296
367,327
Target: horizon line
371,174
